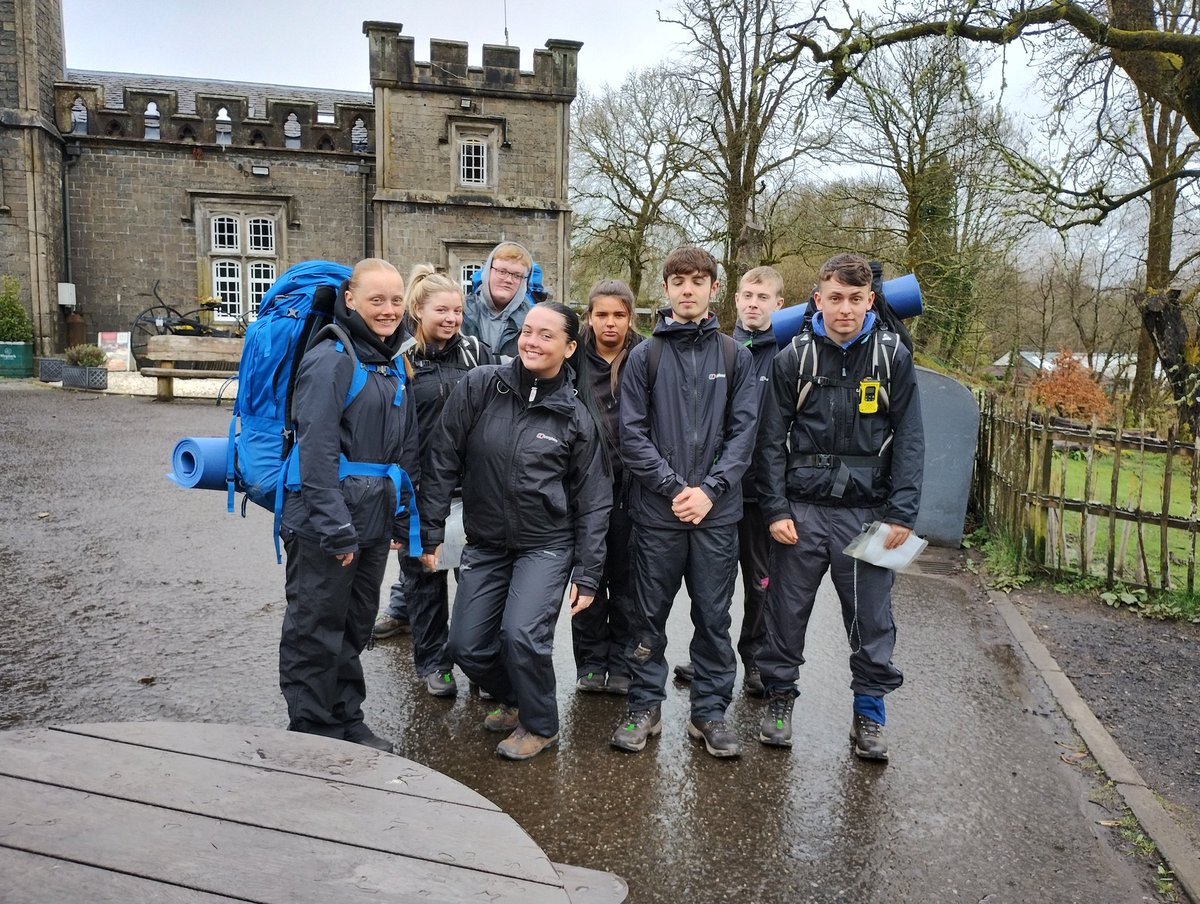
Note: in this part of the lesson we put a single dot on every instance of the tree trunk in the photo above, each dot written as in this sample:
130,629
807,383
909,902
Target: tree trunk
1162,315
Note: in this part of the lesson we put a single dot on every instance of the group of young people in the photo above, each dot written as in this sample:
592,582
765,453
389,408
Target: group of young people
605,468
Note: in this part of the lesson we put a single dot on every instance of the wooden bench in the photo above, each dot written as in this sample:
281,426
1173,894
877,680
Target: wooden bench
168,351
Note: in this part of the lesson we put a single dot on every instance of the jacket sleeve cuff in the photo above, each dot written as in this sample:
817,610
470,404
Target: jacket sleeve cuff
586,583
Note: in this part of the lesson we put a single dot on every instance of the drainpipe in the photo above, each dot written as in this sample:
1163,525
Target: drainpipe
364,170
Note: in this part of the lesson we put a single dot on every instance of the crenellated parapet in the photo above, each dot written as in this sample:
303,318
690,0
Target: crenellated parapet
393,65
202,113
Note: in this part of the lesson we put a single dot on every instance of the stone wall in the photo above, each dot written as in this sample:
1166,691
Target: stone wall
134,217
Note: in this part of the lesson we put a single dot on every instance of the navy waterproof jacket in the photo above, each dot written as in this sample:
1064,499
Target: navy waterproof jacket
533,475
830,424
696,431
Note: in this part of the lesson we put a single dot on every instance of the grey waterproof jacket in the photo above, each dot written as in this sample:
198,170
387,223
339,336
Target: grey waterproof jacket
533,475
696,431
357,511
823,453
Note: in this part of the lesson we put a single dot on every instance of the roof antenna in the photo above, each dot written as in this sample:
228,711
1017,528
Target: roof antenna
505,23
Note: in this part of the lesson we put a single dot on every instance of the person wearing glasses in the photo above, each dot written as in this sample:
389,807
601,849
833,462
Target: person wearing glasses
496,313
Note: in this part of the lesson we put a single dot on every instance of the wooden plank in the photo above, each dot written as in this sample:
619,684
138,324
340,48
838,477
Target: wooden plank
289,751
194,348
590,886
386,820
180,374
36,879
222,858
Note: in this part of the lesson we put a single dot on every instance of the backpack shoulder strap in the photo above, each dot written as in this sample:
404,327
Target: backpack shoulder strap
654,353
883,354
806,355
468,349
730,348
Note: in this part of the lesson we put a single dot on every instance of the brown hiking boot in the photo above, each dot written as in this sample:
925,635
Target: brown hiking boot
523,744
502,718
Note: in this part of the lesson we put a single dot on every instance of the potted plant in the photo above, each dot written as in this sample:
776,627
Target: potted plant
84,367
16,331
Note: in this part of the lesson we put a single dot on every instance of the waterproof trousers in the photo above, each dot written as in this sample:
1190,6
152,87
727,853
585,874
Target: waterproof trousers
330,611
865,592
600,634
754,551
705,561
427,597
502,629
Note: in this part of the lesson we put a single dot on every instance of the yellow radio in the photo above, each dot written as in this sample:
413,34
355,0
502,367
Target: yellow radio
868,397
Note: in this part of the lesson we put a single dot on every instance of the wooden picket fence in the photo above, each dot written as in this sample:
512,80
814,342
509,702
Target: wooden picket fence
1093,501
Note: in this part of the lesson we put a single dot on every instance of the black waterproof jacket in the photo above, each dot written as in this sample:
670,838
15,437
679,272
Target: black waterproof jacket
434,374
532,475
608,402
358,511
682,437
763,349
830,424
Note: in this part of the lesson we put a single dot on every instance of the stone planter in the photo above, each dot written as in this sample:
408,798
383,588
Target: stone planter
50,369
77,377
16,359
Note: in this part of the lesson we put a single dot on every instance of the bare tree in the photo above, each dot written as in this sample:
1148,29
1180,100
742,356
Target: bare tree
631,148
749,98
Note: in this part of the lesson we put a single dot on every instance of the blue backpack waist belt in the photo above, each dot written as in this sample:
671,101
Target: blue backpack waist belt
347,468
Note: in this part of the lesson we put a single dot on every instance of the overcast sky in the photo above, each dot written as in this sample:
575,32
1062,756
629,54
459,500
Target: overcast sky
320,44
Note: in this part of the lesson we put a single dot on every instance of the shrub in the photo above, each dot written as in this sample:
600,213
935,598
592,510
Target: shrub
1070,389
15,325
85,356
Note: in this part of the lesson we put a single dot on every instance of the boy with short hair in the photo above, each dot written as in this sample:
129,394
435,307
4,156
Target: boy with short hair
759,296
688,412
840,444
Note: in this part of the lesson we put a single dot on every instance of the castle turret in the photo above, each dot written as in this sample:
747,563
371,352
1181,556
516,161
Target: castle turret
31,160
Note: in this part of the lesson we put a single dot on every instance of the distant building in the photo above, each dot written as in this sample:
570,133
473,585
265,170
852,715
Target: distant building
1114,368
113,183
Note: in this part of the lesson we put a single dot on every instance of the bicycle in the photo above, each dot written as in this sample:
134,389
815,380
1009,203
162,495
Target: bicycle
161,319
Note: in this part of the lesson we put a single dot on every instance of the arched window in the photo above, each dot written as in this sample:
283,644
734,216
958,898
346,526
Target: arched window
79,117
153,122
291,132
359,136
325,144
224,127
114,129
187,135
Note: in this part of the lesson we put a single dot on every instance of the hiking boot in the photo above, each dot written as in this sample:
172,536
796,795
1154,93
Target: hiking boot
591,682
636,727
502,718
685,672
776,727
523,744
752,684
360,734
867,736
617,684
387,626
441,684
719,739
476,689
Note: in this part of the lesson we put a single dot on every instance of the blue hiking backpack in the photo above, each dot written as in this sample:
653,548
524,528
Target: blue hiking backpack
262,459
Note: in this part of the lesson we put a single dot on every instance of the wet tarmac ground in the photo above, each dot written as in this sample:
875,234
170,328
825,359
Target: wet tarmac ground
125,598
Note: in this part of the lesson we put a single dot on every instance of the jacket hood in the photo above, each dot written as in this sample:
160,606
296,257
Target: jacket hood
562,398
818,326
668,328
753,338
486,294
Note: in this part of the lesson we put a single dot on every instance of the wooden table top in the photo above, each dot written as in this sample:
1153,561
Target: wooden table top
192,812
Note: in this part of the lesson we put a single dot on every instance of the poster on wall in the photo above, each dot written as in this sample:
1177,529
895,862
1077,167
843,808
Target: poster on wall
116,347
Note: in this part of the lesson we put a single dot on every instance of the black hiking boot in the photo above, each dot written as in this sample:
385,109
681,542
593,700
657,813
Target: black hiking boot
867,736
719,739
635,728
685,672
752,684
776,727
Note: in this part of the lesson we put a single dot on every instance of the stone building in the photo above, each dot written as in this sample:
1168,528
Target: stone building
125,185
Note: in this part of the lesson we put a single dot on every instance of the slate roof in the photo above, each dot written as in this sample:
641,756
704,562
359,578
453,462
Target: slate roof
114,84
